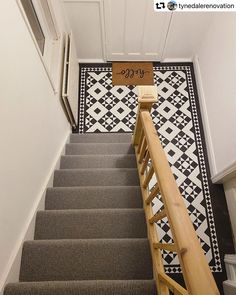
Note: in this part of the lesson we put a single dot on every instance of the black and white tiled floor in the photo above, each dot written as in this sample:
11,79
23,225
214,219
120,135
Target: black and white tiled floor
104,108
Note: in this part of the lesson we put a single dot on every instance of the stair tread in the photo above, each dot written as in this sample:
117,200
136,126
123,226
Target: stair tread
86,259
99,169
101,137
99,148
88,287
93,197
95,177
91,211
98,161
100,143
99,156
76,224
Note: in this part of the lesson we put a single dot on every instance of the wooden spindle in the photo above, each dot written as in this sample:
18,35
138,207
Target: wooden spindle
167,247
158,216
145,163
176,288
148,177
152,194
140,141
142,150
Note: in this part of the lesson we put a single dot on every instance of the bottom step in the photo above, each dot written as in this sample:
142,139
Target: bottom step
129,287
92,259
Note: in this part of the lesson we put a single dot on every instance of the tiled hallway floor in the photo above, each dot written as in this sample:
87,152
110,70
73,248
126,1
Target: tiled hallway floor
104,108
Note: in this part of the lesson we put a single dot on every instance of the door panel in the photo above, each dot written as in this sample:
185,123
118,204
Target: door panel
134,31
85,19
135,26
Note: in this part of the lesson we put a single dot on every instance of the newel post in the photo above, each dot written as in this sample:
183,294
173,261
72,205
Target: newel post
147,95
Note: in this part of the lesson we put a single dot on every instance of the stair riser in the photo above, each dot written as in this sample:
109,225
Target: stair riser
96,177
93,197
96,161
98,149
126,259
90,224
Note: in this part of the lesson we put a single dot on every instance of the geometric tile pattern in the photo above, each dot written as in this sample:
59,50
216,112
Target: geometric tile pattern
107,108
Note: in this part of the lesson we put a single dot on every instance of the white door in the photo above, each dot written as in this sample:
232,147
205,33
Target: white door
134,31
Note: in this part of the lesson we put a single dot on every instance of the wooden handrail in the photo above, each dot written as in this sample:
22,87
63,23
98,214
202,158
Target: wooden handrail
197,275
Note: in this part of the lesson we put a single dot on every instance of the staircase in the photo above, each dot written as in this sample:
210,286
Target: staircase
92,237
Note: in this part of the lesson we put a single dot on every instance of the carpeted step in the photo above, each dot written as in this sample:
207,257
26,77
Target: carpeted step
98,259
92,239
96,177
98,161
59,198
99,148
128,287
101,137
90,224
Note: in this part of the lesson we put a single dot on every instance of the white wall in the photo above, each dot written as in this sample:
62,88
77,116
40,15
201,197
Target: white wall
216,63
33,129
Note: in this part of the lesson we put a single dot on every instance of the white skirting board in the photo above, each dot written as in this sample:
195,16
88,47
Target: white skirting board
13,269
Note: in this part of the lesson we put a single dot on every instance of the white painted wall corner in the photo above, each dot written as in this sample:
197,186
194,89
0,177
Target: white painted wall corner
13,268
226,174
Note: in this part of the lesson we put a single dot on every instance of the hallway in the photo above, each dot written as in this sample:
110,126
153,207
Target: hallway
105,108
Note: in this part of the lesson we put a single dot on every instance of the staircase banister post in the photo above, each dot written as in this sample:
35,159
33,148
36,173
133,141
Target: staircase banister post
147,96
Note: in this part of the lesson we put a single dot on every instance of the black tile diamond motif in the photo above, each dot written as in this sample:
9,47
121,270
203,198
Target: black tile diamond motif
104,108
169,130
165,89
97,90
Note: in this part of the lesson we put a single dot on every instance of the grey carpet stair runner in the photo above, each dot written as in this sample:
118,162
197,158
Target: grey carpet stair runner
92,237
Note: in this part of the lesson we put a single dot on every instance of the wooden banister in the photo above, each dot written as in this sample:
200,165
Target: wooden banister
197,275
